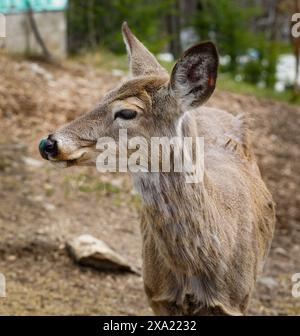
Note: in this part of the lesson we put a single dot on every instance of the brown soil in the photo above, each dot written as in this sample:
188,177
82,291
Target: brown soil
41,207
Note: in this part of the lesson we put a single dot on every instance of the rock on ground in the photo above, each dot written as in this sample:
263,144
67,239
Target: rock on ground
90,251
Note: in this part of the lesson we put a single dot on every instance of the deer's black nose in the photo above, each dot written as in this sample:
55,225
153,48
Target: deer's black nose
48,147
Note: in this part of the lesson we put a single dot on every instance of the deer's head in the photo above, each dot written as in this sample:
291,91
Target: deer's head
149,104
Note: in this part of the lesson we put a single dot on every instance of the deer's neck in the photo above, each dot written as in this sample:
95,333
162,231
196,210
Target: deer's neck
164,191
177,215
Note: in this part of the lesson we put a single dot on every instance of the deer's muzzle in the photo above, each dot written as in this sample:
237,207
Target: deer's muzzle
48,148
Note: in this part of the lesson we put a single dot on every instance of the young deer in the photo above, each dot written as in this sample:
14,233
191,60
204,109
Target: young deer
203,243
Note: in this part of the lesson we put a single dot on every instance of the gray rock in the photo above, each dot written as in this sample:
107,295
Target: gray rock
281,251
268,282
33,162
49,206
90,251
118,73
37,69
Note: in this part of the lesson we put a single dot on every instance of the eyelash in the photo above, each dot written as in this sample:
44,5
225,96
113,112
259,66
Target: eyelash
126,114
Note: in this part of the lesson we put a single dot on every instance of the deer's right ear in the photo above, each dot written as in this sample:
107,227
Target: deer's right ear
194,76
142,62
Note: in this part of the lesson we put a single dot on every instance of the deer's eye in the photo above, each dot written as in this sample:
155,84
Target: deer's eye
126,114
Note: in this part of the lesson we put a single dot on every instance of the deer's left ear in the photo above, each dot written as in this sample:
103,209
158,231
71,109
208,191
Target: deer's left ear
193,78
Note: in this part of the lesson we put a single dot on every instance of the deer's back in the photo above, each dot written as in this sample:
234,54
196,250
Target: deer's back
238,190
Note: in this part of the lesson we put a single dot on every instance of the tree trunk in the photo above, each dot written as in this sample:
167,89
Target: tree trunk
174,28
91,23
47,55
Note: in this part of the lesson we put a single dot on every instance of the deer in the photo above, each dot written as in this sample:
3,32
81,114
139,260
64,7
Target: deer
204,244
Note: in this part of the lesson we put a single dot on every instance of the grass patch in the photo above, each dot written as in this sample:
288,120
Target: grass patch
49,191
76,184
99,186
227,82
85,184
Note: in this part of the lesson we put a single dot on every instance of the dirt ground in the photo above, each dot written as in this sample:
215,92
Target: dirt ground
41,207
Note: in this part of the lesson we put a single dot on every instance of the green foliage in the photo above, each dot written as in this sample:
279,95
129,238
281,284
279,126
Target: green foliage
99,22
226,22
253,71
263,68
230,23
272,58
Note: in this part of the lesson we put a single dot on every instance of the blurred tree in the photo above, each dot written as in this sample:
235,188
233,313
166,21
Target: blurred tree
173,20
240,28
227,22
47,55
91,23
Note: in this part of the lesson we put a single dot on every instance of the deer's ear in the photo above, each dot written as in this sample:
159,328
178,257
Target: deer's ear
142,62
193,78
